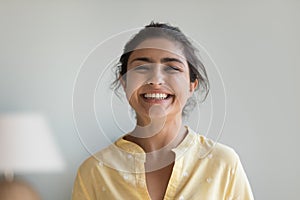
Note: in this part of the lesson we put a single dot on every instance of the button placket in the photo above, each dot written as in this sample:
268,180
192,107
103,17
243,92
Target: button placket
140,170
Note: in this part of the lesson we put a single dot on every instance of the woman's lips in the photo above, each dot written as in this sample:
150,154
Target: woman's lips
156,97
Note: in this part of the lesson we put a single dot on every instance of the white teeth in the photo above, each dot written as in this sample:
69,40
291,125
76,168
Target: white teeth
155,95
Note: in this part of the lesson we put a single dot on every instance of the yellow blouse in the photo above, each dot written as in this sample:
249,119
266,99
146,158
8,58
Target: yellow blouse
203,170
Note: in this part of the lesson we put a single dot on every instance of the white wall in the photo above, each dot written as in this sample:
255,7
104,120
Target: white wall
255,44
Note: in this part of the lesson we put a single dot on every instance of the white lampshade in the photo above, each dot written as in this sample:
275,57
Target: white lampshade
26,144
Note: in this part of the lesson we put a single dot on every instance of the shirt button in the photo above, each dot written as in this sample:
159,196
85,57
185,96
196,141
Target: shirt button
185,174
129,156
126,177
181,198
209,180
100,163
209,156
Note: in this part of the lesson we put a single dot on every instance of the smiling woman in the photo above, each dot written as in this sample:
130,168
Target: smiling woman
161,158
155,69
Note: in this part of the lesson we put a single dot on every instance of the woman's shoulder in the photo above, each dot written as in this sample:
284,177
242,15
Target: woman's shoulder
213,149
220,152
93,160
111,156
88,164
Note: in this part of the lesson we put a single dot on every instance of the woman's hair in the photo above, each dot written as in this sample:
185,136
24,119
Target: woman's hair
162,30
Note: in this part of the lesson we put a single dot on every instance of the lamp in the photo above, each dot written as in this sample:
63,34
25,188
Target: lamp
26,146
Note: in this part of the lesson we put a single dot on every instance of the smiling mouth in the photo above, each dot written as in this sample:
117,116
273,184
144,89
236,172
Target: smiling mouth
156,96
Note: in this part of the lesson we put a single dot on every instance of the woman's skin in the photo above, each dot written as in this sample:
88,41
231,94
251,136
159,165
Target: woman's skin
157,86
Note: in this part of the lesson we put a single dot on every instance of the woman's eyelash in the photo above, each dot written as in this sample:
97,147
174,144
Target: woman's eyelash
147,67
173,68
142,67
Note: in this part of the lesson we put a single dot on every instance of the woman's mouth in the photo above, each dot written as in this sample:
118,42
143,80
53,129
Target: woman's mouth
156,96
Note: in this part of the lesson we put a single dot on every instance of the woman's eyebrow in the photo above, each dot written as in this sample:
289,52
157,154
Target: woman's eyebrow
163,60
145,59
168,59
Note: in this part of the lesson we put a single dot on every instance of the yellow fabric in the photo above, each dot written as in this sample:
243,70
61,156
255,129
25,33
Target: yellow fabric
202,170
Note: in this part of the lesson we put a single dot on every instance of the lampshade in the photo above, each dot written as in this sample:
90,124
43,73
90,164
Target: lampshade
26,144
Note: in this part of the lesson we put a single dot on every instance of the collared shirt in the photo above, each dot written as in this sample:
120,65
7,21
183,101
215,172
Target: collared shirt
202,170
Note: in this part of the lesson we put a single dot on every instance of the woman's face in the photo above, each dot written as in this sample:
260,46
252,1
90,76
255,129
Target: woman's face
157,81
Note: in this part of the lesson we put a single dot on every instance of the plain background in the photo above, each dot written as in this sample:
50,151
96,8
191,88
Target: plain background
255,44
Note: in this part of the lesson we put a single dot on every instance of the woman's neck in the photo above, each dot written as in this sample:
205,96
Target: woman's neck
159,133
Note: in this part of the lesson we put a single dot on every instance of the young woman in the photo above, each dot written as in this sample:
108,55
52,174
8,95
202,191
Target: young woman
161,158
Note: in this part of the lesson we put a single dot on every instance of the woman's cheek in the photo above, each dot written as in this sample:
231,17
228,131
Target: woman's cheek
181,89
133,83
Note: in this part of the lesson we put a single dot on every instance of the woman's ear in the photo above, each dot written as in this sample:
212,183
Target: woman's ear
122,81
193,85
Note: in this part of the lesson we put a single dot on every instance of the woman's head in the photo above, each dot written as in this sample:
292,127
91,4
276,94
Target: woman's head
164,32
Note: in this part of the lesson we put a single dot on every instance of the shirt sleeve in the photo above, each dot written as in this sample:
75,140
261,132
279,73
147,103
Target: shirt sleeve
79,190
239,187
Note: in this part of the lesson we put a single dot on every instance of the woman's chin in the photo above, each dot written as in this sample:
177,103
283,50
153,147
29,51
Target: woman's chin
157,112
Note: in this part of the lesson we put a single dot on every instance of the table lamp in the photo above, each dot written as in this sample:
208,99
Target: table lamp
26,146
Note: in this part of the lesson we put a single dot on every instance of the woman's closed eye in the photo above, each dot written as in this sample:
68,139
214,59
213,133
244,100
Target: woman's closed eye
146,68
142,68
172,69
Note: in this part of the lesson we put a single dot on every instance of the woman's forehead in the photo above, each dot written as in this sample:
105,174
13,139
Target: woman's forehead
161,44
158,47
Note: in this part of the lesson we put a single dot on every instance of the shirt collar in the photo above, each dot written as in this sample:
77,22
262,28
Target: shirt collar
119,154
190,140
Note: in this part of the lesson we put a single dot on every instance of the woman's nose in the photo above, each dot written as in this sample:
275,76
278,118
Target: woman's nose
156,77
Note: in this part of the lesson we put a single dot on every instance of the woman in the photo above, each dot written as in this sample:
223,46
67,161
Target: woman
161,158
